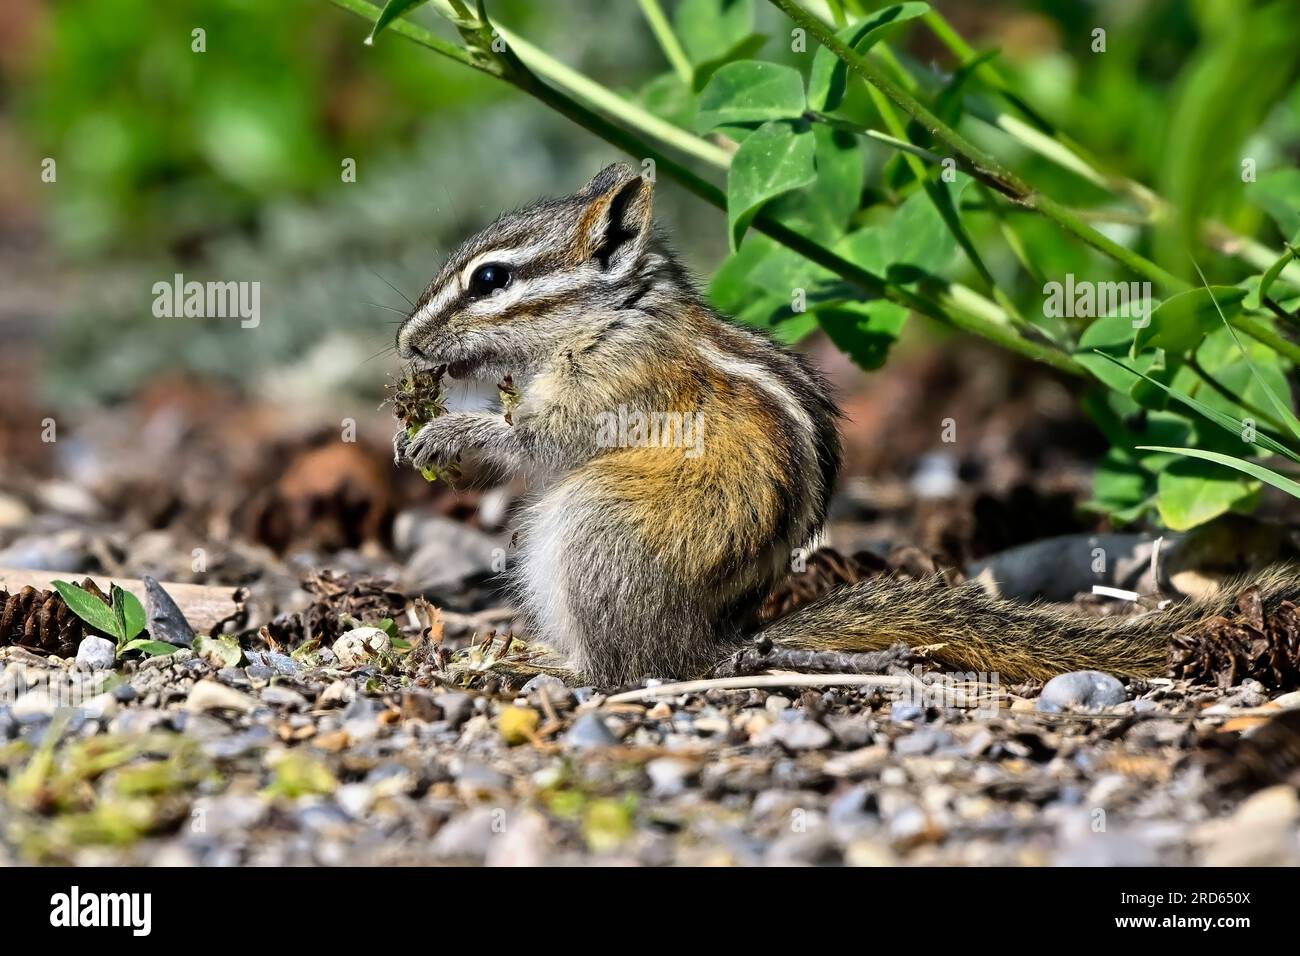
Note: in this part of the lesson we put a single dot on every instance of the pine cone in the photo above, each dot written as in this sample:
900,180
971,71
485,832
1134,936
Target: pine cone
42,621
360,598
1253,642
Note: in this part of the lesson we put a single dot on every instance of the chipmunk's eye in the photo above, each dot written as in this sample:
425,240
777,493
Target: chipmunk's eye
487,279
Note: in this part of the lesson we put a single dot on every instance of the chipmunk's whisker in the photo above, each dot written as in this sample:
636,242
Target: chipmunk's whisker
385,351
394,288
386,308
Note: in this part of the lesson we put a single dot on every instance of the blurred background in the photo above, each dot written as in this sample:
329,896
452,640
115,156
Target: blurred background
197,449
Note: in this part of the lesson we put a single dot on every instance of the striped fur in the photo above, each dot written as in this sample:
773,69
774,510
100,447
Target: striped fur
646,562
968,630
633,561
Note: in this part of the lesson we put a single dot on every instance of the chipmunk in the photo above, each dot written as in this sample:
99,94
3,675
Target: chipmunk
639,559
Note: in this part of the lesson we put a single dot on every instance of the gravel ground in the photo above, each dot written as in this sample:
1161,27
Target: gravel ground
268,748
282,761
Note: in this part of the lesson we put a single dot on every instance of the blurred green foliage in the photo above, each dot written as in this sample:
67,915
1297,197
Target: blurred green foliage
159,144
228,161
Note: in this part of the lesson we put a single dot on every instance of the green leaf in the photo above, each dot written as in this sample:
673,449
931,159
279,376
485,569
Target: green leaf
950,102
129,612
1121,487
1221,355
751,91
89,608
1257,295
1210,115
1180,322
708,29
1126,425
743,50
1278,194
222,651
392,10
1101,346
756,285
669,98
863,330
914,241
1228,423
823,210
1253,469
828,79
1271,392
770,163
119,611
146,646
1190,493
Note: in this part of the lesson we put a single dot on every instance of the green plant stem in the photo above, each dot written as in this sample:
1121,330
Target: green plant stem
939,198
951,304
1260,332
598,96
668,42
983,164
419,34
1273,306
1038,134
1043,138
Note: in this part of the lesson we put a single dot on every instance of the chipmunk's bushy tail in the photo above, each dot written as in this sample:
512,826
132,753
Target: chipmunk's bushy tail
969,630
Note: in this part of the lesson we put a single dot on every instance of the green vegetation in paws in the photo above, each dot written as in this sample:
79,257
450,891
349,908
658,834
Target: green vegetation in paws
510,398
417,399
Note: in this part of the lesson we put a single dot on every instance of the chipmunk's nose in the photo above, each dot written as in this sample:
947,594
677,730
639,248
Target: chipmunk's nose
406,349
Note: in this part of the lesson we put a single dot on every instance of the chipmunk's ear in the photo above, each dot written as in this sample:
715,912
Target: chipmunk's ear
615,223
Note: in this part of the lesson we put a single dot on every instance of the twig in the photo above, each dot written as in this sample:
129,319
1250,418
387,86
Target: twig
763,680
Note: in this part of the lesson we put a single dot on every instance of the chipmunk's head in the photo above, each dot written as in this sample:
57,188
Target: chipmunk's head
539,279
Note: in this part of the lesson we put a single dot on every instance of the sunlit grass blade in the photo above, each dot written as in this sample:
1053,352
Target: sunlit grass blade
1225,421
1283,408
1253,469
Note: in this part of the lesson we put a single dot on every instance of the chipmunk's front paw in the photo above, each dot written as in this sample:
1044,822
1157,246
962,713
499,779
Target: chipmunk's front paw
434,445
401,440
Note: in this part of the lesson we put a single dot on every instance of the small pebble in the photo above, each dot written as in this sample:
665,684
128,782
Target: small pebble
284,697
166,622
518,724
801,734
359,645
97,653
668,775
1087,690
209,695
589,731
455,708
901,713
